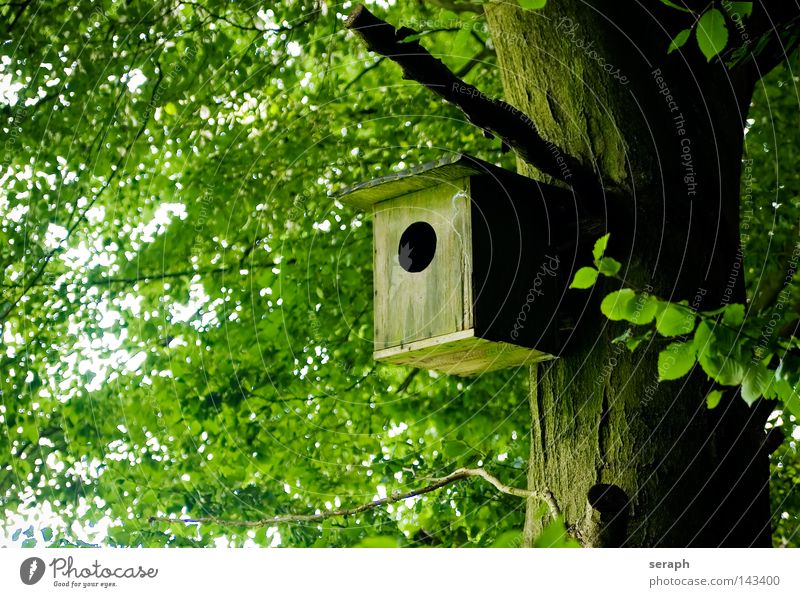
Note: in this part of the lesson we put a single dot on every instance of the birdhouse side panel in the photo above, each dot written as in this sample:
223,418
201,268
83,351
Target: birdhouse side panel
521,259
423,265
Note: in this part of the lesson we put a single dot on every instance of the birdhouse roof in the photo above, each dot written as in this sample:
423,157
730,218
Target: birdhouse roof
451,167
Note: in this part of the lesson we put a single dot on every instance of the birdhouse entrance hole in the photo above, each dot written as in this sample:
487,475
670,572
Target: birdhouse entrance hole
417,247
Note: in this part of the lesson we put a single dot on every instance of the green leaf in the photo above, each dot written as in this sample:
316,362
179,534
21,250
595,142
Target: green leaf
676,6
675,361
703,339
724,370
679,40
792,402
643,309
755,382
47,533
780,389
29,543
584,278
609,266
31,433
615,305
121,535
626,305
462,43
532,4
456,449
713,398
600,247
743,9
716,359
675,320
507,539
555,535
733,315
712,34
377,542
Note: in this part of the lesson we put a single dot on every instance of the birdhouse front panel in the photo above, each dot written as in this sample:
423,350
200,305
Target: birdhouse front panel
423,265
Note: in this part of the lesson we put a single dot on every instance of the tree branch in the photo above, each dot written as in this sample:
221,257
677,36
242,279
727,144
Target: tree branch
515,128
155,277
457,475
544,495
260,28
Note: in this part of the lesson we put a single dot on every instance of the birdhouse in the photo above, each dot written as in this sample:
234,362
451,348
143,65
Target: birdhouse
471,265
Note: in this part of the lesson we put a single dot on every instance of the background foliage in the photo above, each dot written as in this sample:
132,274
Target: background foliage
186,309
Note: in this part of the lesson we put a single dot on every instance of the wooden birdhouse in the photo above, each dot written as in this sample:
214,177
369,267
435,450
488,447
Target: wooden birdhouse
471,265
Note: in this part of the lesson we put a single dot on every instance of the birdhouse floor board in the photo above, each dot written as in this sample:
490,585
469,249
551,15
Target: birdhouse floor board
460,353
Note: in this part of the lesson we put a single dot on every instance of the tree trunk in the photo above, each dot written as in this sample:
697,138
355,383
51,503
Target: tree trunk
631,461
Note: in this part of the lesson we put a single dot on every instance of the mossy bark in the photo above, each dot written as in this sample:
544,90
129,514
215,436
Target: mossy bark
587,73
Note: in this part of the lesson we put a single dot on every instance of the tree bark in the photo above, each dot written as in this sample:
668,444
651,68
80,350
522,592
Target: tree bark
631,461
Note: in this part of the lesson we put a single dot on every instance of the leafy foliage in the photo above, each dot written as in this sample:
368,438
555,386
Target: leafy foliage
710,26
185,306
731,349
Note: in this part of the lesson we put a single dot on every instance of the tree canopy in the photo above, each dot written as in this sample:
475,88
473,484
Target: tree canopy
186,307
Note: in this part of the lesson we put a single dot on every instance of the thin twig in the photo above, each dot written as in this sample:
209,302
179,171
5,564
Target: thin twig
372,66
154,277
457,475
477,59
545,495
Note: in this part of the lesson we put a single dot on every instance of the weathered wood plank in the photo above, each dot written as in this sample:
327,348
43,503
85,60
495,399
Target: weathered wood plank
411,306
460,353
449,168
